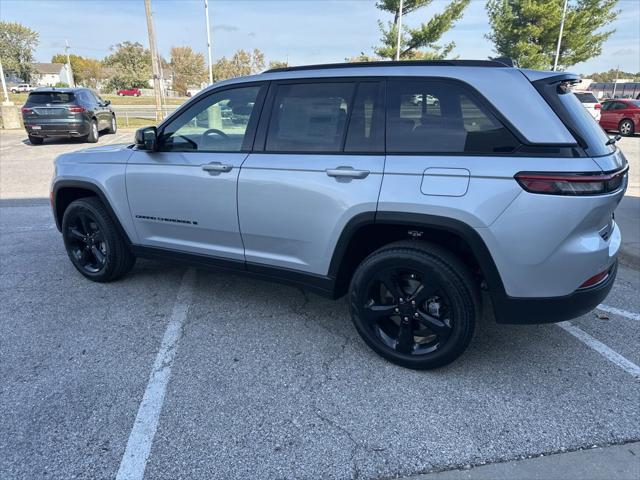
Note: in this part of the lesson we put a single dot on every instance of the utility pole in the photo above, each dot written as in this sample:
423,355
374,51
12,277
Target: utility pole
399,31
155,65
615,82
564,14
69,70
206,14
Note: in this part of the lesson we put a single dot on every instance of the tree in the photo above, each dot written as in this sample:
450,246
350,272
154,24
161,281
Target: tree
278,64
363,57
132,65
414,40
241,64
17,44
188,68
527,30
610,76
86,71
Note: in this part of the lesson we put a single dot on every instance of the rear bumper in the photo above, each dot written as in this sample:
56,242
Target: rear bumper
76,129
552,309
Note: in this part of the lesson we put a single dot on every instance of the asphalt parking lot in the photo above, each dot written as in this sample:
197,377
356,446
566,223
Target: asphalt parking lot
202,375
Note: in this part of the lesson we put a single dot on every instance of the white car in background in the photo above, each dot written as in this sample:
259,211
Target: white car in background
23,88
590,102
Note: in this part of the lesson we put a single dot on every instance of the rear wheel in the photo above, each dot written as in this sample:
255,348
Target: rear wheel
93,135
36,140
415,304
626,128
93,243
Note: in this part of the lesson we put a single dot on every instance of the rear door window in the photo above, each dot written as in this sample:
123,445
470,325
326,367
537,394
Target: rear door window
310,117
42,98
432,116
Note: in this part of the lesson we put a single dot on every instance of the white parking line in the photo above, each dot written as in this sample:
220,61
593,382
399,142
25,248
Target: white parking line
134,460
618,311
611,355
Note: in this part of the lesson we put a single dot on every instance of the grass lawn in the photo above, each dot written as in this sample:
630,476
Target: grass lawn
21,98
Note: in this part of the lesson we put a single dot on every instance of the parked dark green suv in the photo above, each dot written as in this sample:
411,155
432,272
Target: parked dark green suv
67,112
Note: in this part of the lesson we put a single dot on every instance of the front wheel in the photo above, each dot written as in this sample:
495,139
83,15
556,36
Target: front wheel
93,243
626,128
415,304
113,127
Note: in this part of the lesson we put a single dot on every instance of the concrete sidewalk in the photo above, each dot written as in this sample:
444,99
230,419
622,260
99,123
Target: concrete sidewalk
619,462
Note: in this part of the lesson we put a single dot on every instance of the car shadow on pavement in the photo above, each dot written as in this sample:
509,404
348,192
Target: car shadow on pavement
55,141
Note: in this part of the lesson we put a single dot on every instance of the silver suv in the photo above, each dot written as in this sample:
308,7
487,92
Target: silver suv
335,178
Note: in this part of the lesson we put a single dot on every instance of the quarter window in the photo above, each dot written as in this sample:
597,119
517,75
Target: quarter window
309,117
431,116
217,123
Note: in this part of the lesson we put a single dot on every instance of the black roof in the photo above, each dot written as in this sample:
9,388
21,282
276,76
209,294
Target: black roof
496,62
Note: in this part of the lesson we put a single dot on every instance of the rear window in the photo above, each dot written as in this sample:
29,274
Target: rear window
586,97
575,117
585,125
42,98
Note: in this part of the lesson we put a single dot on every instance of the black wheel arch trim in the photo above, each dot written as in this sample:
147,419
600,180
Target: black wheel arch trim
506,309
457,227
93,188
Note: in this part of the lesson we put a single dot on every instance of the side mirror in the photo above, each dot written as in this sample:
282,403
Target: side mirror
147,138
107,103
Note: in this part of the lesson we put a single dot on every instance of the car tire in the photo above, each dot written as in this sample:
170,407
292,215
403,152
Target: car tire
415,304
35,140
93,135
626,128
113,127
93,242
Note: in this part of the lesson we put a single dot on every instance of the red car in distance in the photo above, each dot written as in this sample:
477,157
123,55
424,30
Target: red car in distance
622,115
129,92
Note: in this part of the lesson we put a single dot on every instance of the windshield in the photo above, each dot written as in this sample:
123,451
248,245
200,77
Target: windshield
586,97
42,98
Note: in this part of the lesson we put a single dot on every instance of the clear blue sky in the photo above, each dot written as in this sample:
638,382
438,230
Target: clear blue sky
304,31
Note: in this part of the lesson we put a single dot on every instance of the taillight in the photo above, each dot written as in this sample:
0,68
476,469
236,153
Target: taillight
597,106
571,183
26,110
596,279
75,109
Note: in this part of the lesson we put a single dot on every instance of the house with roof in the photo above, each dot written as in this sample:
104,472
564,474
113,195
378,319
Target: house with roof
50,74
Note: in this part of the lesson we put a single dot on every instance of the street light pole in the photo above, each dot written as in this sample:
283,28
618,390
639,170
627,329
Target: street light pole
69,70
206,14
399,31
564,14
154,60
4,85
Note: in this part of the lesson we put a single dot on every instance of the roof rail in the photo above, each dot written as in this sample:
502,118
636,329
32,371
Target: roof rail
497,62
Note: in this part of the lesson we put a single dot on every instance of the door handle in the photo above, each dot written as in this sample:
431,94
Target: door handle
216,167
347,172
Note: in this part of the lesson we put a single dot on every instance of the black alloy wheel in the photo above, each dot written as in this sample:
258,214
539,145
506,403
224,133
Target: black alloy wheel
415,304
407,311
86,241
93,241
